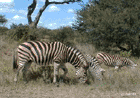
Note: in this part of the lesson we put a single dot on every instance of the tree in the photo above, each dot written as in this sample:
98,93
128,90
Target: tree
3,20
111,23
32,7
63,34
13,25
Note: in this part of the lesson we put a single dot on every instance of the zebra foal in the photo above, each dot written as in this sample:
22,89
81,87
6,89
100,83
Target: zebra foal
114,60
45,53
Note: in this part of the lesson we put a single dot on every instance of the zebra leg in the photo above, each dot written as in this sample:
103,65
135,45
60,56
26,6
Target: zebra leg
48,79
49,74
102,72
17,72
44,73
65,72
56,73
118,65
24,70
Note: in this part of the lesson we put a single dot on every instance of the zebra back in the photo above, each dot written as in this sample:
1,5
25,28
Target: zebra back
42,53
113,60
45,53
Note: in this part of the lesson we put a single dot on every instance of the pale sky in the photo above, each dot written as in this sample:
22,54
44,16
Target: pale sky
52,18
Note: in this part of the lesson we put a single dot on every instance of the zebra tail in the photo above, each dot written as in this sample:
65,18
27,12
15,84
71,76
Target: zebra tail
15,66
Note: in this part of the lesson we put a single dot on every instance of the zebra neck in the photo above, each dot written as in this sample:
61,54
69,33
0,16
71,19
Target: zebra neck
74,56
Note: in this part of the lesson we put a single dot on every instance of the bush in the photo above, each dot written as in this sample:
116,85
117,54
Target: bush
18,33
125,53
3,30
64,35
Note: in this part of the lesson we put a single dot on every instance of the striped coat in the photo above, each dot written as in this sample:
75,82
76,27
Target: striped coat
94,69
45,53
114,60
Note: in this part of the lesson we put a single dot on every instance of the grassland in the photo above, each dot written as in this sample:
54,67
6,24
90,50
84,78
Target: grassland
115,85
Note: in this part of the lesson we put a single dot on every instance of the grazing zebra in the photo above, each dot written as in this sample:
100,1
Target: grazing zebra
114,60
45,53
94,69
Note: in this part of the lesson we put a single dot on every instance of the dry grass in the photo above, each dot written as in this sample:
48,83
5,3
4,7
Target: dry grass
116,85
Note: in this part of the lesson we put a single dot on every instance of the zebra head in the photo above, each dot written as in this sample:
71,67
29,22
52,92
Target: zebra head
131,63
81,74
76,58
81,70
94,69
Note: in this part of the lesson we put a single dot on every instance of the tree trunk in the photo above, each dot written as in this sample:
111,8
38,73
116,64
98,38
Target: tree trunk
32,25
32,7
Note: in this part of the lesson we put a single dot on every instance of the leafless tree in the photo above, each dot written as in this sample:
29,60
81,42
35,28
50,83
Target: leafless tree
31,8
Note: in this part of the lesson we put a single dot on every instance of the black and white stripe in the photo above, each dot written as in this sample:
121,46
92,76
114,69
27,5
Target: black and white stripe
45,53
114,60
94,69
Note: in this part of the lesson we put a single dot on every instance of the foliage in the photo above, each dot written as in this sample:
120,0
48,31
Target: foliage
64,35
2,19
110,23
18,32
13,25
23,32
125,53
3,30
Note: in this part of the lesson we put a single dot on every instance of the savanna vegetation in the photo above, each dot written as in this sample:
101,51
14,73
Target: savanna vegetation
106,25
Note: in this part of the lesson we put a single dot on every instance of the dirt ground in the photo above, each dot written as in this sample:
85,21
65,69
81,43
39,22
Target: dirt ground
64,91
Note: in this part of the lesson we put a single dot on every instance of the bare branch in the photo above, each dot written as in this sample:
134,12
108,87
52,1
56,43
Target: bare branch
64,2
31,9
40,12
33,5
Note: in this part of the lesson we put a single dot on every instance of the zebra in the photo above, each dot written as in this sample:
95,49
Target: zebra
45,53
94,69
114,60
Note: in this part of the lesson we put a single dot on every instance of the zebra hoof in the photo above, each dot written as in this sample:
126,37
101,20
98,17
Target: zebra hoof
15,83
25,82
48,81
61,80
56,84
